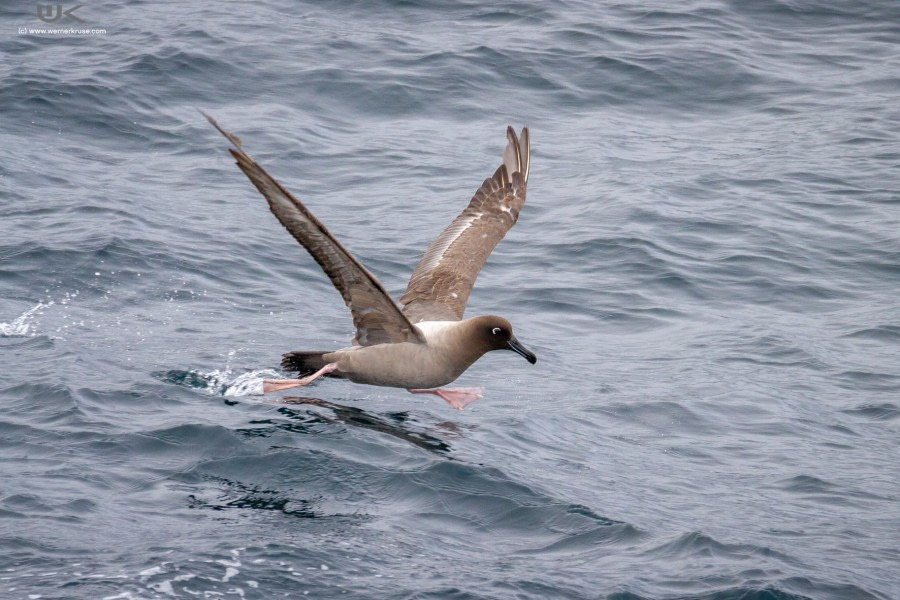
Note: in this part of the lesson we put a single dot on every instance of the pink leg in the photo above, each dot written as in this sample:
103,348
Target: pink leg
458,398
275,385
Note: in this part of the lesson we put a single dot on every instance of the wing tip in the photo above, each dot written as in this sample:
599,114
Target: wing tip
517,156
230,136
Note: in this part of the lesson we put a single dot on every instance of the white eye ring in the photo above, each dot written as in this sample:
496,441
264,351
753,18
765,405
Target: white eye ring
496,330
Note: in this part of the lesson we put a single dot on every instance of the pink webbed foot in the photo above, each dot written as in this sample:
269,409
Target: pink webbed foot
458,398
275,385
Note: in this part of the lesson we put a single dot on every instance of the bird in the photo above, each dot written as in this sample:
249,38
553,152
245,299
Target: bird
422,342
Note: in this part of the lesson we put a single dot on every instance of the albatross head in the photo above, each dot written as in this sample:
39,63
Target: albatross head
496,333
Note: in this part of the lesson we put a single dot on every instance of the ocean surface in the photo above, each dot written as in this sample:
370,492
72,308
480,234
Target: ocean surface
707,266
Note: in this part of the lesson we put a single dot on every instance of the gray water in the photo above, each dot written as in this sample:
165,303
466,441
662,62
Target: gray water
706,267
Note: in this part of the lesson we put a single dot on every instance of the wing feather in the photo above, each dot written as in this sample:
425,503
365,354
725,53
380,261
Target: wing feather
440,285
377,318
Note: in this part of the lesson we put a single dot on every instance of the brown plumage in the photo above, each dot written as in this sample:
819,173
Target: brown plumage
426,344
376,317
441,283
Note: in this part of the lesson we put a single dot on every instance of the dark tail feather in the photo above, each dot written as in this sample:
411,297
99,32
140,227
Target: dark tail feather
305,361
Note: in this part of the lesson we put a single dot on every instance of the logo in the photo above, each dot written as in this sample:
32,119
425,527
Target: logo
45,13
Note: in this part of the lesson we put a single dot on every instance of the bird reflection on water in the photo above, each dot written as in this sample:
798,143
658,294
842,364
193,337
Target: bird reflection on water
395,424
305,415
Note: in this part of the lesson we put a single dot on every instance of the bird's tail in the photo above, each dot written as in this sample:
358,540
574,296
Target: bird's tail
305,361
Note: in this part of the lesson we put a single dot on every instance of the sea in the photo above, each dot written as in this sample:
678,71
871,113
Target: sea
707,268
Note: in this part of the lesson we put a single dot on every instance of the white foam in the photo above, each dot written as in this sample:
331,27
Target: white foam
163,587
22,324
250,384
223,382
151,571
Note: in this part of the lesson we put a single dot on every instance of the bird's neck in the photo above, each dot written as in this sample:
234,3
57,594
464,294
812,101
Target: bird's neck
459,338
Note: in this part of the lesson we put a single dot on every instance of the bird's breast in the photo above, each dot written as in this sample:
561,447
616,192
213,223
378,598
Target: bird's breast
407,365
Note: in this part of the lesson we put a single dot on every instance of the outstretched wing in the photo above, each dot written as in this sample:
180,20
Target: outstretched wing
377,319
439,287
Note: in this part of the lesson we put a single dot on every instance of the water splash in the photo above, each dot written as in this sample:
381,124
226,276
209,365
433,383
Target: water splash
245,384
23,323
223,382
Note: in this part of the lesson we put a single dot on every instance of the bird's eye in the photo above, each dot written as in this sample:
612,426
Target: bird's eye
496,330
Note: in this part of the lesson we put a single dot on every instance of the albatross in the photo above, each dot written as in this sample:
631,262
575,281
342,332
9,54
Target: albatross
423,343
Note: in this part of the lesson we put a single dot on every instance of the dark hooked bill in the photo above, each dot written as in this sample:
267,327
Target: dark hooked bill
521,350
